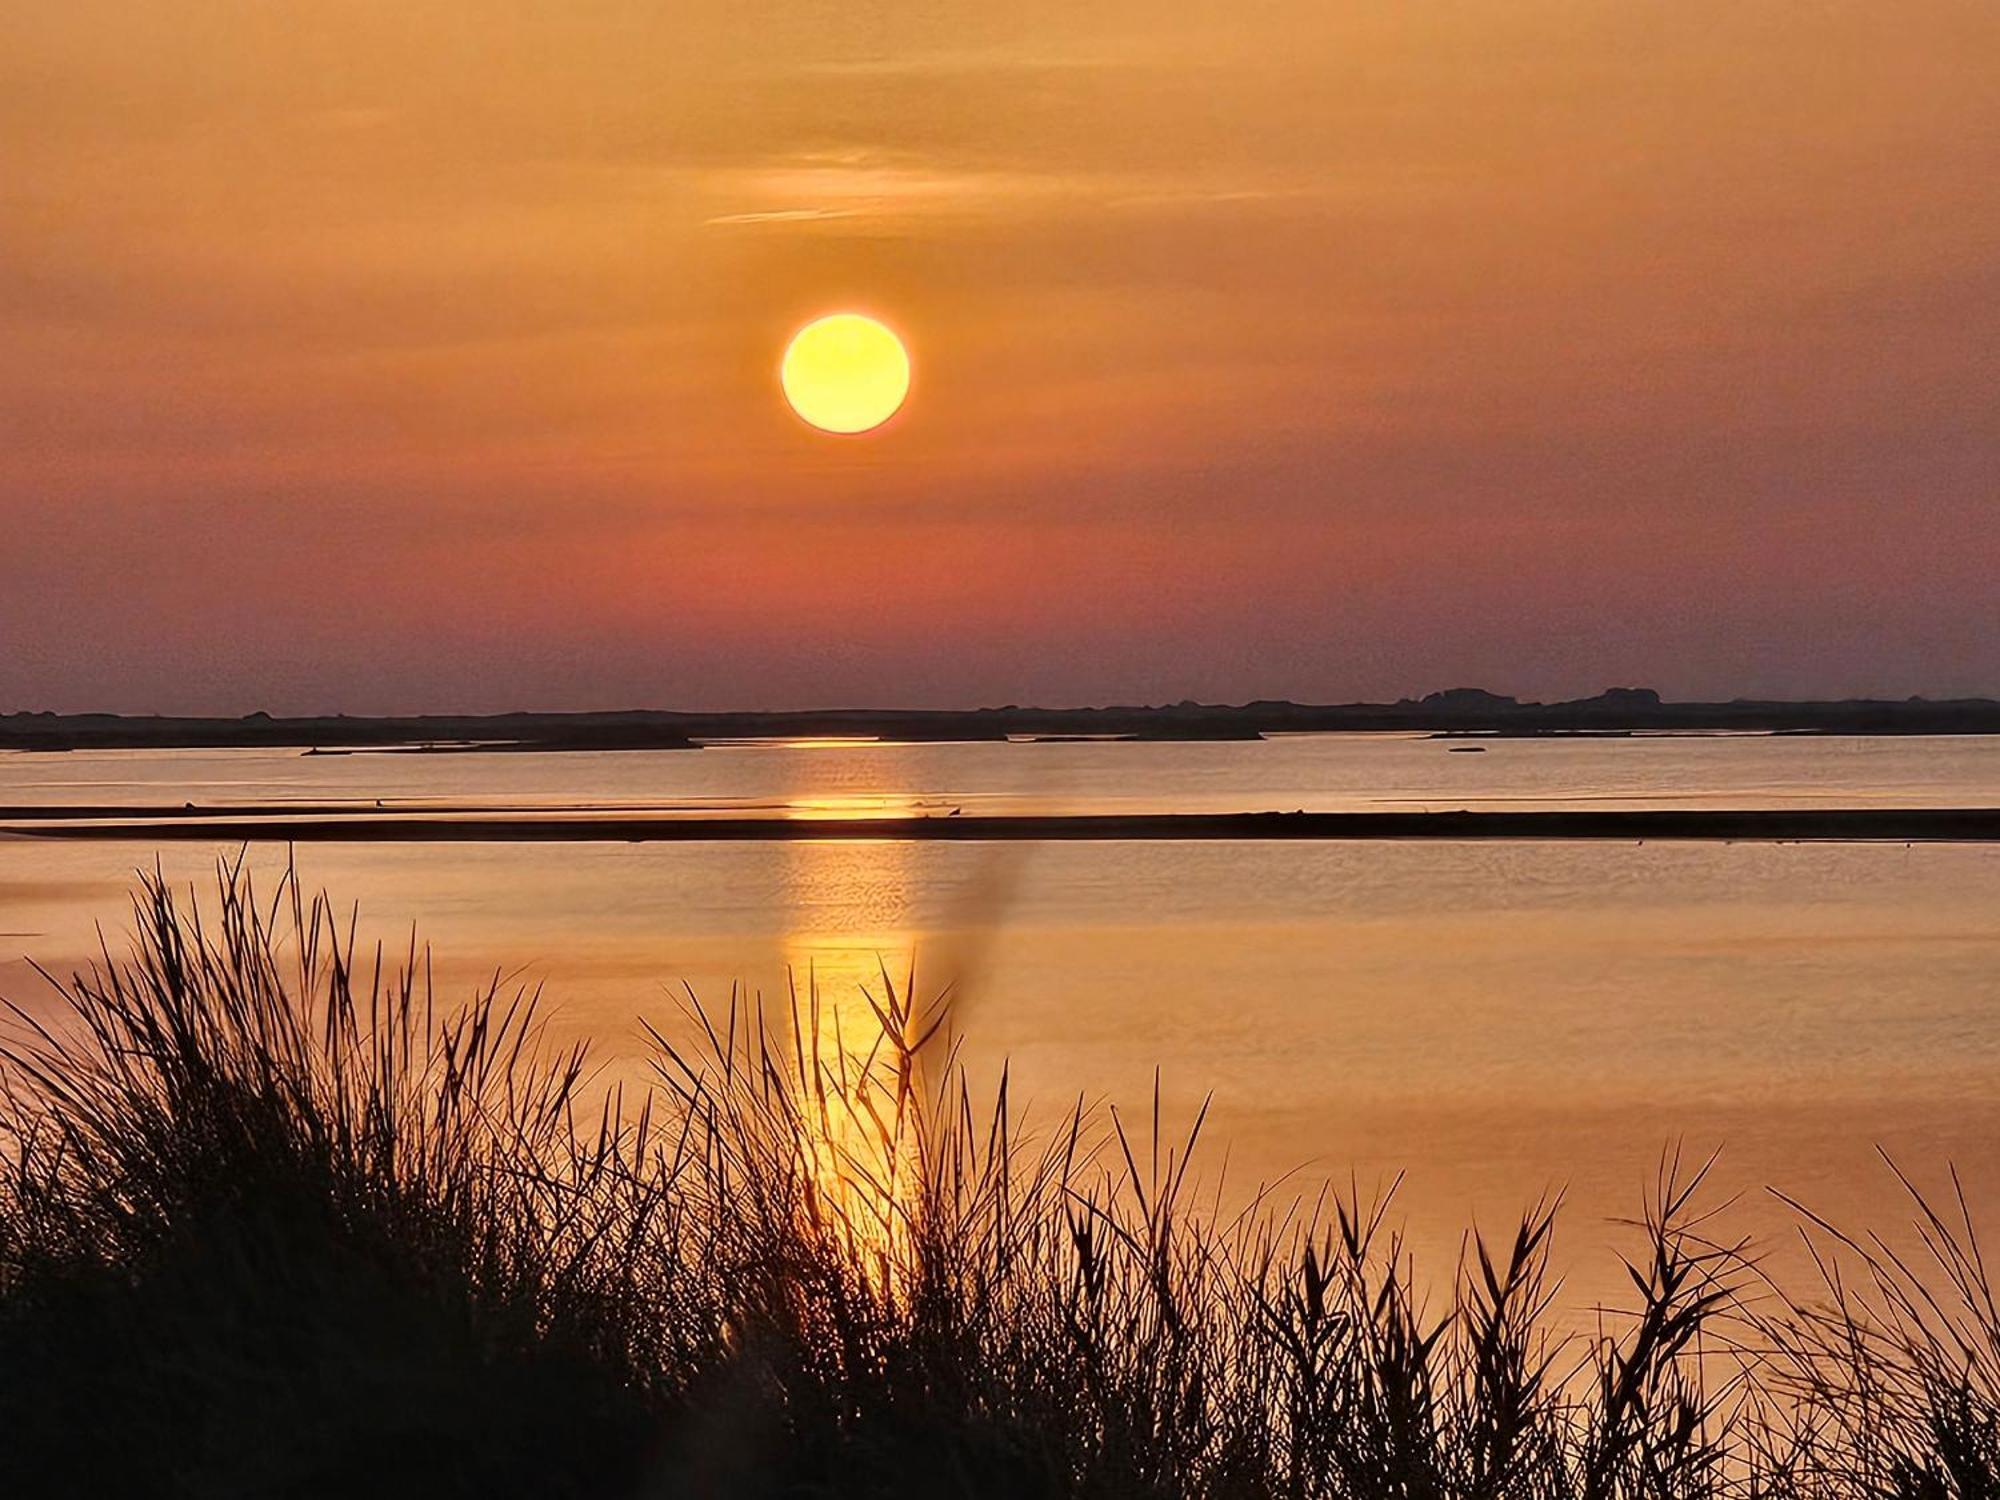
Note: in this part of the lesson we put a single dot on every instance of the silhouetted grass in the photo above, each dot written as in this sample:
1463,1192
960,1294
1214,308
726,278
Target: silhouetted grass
273,1224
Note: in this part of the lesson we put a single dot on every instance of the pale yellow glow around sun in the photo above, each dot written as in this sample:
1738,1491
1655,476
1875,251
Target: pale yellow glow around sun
845,373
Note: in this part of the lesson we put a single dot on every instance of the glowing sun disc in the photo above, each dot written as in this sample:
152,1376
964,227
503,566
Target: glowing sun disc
845,373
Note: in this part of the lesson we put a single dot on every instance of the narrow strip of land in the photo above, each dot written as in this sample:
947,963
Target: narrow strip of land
1456,711
114,812
1899,825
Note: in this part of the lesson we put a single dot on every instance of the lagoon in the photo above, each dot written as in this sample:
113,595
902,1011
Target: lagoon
1496,1020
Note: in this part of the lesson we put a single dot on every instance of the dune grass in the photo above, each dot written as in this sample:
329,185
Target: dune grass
275,1222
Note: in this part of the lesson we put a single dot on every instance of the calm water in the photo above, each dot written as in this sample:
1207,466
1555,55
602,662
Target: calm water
1496,1019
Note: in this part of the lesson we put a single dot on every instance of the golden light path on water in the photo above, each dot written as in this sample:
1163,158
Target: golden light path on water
851,957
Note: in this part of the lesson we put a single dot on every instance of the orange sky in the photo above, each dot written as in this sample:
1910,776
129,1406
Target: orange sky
420,355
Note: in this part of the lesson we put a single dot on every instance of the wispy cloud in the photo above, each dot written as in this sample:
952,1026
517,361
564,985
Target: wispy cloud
783,216
1198,197
845,185
1107,54
860,184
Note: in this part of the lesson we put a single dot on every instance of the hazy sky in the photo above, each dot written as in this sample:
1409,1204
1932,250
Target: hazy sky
406,354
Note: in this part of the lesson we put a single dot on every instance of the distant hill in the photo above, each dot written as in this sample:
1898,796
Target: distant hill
1456,711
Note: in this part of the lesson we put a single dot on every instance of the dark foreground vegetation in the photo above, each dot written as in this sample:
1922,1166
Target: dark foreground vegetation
271,1224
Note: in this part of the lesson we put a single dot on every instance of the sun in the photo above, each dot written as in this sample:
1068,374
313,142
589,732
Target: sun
845,373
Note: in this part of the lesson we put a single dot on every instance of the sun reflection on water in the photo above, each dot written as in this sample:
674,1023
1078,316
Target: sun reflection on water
810,805
851,951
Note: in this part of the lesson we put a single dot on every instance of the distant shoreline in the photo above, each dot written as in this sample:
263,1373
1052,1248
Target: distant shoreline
1847,825
1458,712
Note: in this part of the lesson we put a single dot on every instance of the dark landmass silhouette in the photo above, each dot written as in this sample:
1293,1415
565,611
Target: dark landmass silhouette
368,826
1456,712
